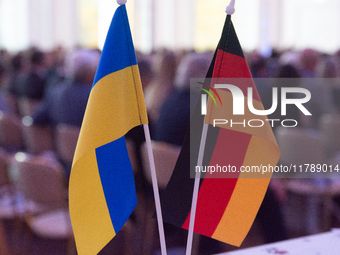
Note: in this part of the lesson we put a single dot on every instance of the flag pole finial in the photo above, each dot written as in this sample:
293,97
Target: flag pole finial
230,8
121,2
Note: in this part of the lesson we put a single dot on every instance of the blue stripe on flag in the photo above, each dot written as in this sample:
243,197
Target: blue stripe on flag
118,181
118,52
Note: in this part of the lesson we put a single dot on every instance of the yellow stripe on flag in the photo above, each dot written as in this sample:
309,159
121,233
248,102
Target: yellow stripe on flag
90,216
110,118
248,193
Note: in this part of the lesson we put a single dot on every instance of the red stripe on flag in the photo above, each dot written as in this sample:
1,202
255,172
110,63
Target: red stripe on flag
230,148
230,66
233,66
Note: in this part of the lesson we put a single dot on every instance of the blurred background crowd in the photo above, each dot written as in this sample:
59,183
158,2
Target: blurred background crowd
43,96
34,74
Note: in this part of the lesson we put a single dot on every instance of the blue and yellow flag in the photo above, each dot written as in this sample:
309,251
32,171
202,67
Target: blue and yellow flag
102,190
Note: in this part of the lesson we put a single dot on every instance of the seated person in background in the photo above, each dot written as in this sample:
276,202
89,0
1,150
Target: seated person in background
66,102
308,61
33,83
336,99
162,83
287,75
4,106
174,114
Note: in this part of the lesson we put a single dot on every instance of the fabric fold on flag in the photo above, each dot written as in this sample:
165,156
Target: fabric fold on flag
102,191
226,207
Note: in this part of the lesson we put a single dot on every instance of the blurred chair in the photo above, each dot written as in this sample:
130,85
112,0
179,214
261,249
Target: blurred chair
36,139
300,146
132,154
10,132
41,181
27,106
312,204
330,129
66,137
165,156
12,101
3,242
7,191
4,178
308,209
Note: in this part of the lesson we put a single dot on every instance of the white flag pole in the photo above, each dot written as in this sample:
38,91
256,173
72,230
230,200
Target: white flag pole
153,178
229,10
155,189
196,188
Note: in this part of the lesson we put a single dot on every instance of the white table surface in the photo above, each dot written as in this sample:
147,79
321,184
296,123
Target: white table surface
327,243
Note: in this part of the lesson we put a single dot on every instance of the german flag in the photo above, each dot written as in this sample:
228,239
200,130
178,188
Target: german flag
226,205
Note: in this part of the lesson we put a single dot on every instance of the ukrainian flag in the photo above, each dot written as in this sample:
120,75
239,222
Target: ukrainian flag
102,190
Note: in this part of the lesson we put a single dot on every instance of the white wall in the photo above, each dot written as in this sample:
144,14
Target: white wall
311,23
172,23
14,24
